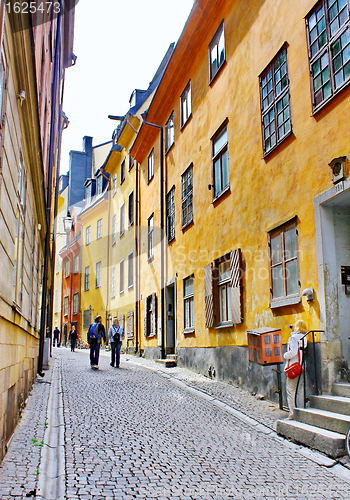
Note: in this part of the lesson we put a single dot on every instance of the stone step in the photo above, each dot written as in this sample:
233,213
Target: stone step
341,389
328,420
168,363
328,442
172,356
337,404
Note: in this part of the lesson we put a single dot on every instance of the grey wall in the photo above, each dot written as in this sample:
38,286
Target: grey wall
80,164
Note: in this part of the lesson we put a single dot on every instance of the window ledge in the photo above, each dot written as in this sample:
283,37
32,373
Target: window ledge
170,147
187,225
228,324
186,122
121,234
316,109
152,336
224,191
150,259
212,80
171,240
285,301
188,330
130,224
150,180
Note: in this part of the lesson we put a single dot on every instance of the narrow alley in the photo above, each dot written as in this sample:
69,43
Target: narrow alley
147,432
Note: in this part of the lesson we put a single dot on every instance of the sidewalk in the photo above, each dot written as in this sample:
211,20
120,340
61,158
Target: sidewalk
21,467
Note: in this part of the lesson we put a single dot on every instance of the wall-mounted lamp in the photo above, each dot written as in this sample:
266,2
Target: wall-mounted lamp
21,96
309,294
210,186
68,223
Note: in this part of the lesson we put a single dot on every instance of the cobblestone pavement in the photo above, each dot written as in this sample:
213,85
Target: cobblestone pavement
131,433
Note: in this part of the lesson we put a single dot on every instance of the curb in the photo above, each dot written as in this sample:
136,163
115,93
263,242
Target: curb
52,474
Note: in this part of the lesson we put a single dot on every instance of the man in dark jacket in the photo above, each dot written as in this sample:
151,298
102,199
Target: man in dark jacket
73,336
56,337
96,332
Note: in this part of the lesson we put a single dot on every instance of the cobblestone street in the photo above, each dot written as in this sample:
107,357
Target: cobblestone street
146,432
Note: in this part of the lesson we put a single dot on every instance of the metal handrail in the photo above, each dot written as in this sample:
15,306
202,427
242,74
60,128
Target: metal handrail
303,371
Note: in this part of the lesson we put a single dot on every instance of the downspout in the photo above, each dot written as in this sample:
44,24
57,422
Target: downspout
162,291
137,231
58,161
108,228
48,197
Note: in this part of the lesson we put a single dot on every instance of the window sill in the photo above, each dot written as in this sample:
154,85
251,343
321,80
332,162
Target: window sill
121,292
228,324
121,235
152,336
150,180
320,107
188,331
130,287
130,224
285,301
171,240
224,191
150,259
171,146
188,225
186,122
278,144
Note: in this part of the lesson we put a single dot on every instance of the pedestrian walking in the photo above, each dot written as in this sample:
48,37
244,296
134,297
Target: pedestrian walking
73,336
96,332
294,356
116,335
56,337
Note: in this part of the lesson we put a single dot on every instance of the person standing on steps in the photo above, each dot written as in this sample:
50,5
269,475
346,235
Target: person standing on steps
115,334
73,336
96,332
294,355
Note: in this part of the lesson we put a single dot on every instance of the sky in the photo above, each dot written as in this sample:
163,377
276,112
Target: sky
119,45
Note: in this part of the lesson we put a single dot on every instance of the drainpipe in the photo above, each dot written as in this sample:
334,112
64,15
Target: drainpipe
162,292
137,233
48,196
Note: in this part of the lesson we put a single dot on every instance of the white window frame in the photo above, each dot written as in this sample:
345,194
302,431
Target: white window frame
114,229
131,209
122,219
150,237
169,132
99,229
121,276
150,166
65,305
75,303
76,264
115,183
216,46
88,235
113,281
185,105
87,278
67,268
131,270
98,274
188,305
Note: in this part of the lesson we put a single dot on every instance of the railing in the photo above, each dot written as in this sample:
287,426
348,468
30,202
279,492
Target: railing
303,371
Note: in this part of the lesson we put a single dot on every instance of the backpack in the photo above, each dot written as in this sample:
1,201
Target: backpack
116,336
94,331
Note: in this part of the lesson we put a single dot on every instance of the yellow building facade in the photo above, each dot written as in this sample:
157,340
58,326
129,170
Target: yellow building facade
241,192
93,220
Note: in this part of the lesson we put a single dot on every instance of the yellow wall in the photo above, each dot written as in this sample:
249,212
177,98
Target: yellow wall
263,192
96,251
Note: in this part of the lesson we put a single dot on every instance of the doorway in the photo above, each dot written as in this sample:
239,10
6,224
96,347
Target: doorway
170,300
333,248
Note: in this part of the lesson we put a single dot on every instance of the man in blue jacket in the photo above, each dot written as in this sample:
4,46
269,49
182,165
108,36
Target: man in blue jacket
96,332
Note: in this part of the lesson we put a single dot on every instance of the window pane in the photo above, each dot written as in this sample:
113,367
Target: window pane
217,177
189,286
276,249
222,296
290,243
225,172
224,270
292,277
220,141
229,302
221,49
277,282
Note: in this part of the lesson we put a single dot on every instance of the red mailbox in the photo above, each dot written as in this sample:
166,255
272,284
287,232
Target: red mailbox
265,346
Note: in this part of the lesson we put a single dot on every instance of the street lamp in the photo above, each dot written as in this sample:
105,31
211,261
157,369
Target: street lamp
68,223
